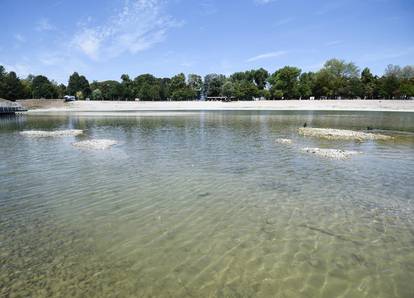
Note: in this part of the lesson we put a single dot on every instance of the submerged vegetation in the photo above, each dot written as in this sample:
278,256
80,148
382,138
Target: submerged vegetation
337,79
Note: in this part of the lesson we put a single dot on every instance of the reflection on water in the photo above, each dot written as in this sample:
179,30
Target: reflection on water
206,204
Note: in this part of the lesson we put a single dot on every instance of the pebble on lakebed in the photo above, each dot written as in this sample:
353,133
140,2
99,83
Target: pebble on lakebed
331,153
341,134
98,144
53,133
283,141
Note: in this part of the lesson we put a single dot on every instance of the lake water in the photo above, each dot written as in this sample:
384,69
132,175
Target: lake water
206,204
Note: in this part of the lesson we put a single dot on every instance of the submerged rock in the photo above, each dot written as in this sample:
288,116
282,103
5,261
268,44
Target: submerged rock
283,141
99,144
331,153
54,133
341,134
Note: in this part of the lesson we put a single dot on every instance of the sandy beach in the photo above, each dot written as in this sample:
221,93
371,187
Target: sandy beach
130,106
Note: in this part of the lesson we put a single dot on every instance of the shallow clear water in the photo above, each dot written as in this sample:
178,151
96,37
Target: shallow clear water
206,204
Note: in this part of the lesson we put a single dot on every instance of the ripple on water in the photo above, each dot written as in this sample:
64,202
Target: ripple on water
97,144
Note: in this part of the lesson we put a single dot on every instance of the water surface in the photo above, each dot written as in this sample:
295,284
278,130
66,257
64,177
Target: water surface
206,204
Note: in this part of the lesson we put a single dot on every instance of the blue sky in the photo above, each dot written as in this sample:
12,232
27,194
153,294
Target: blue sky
103,39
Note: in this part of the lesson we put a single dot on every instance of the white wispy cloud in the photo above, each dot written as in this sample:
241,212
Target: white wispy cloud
266,56
208,7
262,2
334,43
19,38
330,6
313,67
284,21
21,69
44,25
388,54
138,26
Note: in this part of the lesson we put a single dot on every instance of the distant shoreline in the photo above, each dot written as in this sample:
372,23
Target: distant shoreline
58,106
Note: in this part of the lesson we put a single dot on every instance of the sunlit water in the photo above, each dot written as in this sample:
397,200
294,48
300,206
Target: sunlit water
206,204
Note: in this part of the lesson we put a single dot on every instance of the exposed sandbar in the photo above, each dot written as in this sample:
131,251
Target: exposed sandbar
341,134
54,133
284,141
331,153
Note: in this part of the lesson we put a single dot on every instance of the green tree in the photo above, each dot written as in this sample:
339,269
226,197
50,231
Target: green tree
195,82
3,74
111,90
180,90
336,75
407,72
78,83
27,86
146,87
12,88
165,93
285,83
43,88
260,77
246,90
213,83
369,83
390,82
127,87
323,85
407,88
306,84
97,94
61,90
228,89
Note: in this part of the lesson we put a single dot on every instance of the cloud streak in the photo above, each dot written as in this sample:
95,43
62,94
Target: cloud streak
266,56
334,43
44,25
19,38
138,26
263,2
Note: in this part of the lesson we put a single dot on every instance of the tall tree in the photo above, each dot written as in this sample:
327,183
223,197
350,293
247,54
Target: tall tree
195,83
407,72
306,84
43,88
179,88
228,89
146,87
260,77
339,73
77,84
12,86
110,90
165,93
127,90
369,83
213,83
284,82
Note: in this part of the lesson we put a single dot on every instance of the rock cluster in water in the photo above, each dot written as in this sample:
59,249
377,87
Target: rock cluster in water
54,133
331,153
340,134
98,144
284,141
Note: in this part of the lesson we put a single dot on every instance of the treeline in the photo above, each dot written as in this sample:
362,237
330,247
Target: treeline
337,79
